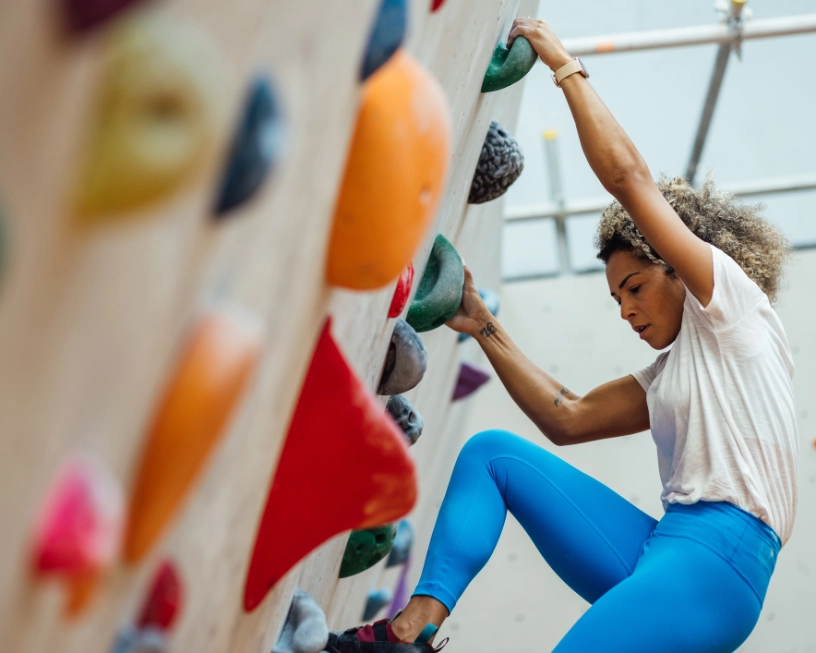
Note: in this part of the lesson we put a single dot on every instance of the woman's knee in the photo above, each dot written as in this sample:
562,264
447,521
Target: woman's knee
493,443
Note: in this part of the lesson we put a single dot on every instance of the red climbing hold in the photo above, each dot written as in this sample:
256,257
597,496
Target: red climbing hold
163,603
436,4
338,428
79,530
402,291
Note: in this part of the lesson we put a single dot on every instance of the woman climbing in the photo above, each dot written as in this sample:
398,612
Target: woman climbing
691,269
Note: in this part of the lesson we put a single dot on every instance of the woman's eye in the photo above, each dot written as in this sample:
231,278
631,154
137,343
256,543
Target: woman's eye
634,289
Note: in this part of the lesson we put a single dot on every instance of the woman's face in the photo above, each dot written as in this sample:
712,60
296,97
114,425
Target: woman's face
650,300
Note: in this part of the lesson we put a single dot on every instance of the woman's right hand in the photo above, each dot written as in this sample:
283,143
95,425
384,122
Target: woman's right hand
543,39
472,315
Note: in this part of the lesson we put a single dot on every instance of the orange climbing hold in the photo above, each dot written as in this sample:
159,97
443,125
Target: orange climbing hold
338,428
394,177
202,394
79,529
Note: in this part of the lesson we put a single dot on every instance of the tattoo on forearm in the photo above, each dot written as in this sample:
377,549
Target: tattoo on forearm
558,398
489,330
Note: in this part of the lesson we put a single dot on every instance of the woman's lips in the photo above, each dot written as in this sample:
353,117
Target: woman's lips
645,329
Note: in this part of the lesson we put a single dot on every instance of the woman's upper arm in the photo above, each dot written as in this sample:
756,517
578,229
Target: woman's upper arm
674,242
610,410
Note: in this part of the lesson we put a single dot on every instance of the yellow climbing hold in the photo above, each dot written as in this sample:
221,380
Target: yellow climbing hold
158,119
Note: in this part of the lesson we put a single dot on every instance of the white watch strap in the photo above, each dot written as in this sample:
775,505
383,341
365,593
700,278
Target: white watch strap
566,70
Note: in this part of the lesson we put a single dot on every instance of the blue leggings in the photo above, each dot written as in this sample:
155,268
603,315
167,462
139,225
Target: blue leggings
692,582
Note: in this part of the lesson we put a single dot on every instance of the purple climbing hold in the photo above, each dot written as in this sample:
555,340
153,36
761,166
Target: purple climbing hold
82,15
401,594
471,378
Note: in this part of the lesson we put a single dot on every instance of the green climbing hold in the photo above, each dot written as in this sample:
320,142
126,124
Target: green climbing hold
365,548
440,291
509,65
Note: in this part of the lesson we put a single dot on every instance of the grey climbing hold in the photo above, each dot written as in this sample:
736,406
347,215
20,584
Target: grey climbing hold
376,601
491,300
406,361
500,164
404,414
139,640
403,543
305,630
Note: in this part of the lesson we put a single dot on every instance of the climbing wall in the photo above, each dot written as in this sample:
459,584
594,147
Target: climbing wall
170,251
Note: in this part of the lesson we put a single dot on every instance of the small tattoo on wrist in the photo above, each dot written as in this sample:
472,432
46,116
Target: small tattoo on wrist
489,330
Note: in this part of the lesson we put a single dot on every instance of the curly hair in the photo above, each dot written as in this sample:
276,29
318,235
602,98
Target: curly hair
757,246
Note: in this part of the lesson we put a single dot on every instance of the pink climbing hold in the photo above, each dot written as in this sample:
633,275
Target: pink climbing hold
402,291
79,530
471,378
164,601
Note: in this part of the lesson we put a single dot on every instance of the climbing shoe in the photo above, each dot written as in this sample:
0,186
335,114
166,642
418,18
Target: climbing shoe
379,638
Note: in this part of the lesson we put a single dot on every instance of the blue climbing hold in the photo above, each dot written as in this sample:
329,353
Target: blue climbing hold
377,600
401,550
491,300
386,35
256,148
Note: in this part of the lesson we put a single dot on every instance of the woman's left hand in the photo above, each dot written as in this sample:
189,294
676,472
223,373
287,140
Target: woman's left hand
543,39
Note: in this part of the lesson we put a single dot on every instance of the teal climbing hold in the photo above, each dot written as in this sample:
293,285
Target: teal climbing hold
440,291
365,548
257,146
403,543
509,65
386,35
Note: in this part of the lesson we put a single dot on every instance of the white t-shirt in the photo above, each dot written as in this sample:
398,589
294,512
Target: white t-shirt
721,403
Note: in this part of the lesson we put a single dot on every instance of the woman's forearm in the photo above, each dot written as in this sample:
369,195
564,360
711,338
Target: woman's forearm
609,151
543,399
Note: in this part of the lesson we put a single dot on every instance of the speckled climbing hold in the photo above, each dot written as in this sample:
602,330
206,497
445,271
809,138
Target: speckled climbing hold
201,396
82,15
158,121
440,290
163,602
79,529
305,629
471,378
404,414
406,361
403,543
386,35
500,164
365,548
402,292
491,300
394,176
256,148
337,417
376,601
436,4
508,66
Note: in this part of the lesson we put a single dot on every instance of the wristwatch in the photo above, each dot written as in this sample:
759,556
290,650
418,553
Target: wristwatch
574,66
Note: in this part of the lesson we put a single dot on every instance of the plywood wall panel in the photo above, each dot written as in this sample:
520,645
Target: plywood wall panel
92,321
